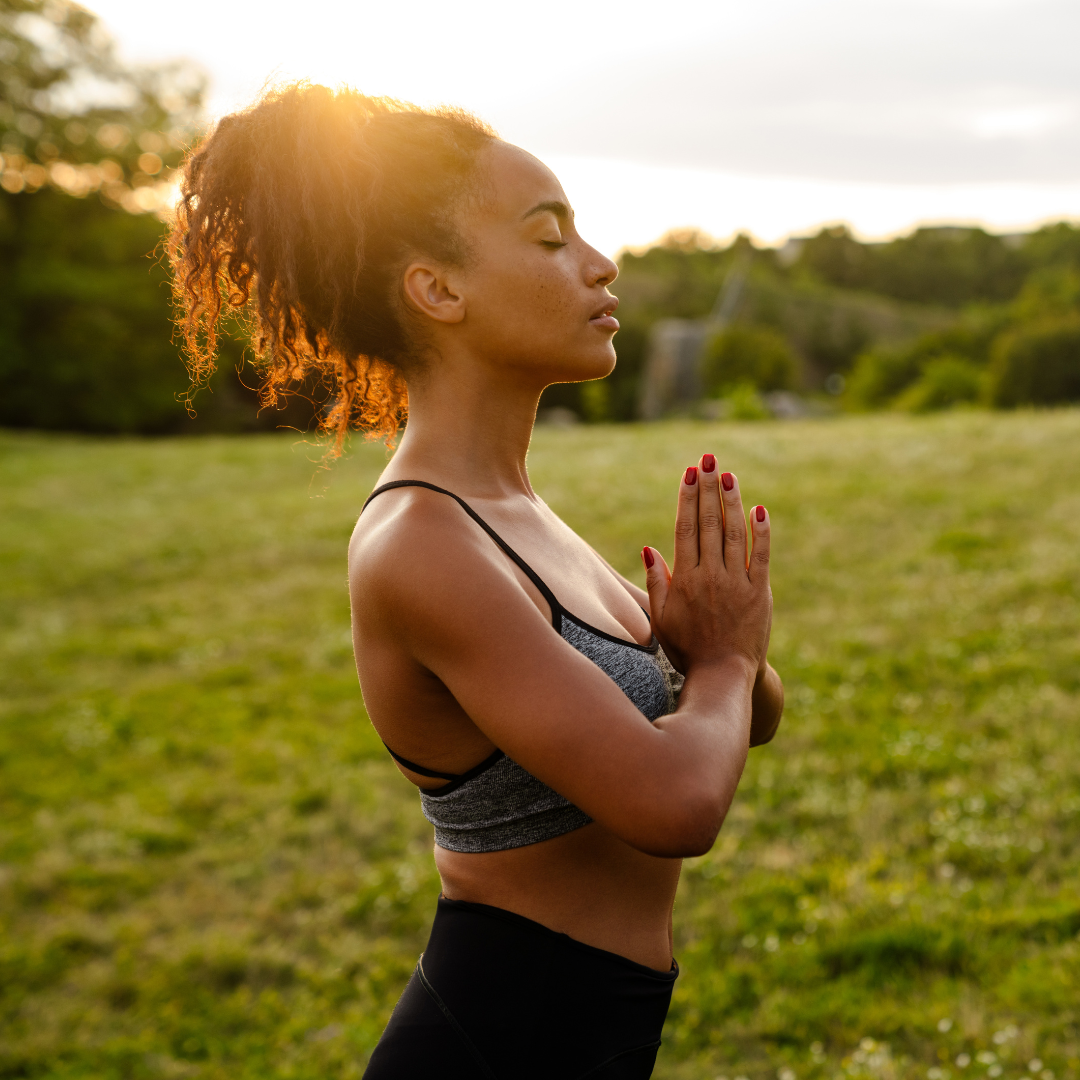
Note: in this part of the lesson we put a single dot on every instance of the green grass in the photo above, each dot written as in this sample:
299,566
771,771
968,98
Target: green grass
209,867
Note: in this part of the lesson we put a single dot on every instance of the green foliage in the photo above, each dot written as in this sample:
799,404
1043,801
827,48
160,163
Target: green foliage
880,375
1037,365
73,117
85,332
757,356
950,266
743,402
944,382
596,400
211,866
937,370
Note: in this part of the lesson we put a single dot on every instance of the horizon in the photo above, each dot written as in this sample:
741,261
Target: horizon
773,121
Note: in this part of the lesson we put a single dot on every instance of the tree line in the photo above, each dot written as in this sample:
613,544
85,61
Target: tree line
88,148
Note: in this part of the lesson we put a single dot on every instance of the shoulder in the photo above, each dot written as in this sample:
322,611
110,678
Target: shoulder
416,556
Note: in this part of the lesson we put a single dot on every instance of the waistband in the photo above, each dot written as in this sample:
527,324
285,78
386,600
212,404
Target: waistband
448,907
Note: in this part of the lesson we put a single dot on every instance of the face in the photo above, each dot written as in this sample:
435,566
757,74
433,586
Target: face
535,294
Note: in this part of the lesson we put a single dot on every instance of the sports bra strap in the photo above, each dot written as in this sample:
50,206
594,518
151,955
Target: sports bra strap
454,780
556,608
419,769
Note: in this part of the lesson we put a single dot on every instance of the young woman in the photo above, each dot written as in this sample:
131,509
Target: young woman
524,686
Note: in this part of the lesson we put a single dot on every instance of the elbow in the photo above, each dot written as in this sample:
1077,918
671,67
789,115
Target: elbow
760,734
766,737
688,828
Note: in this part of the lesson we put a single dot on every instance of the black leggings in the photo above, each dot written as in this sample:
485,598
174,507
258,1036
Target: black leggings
500,997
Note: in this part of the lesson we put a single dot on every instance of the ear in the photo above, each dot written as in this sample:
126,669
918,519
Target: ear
430,291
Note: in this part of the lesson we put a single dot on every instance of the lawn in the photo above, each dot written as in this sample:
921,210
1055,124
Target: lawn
209,867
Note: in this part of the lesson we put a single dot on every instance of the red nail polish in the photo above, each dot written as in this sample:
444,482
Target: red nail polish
708,463
647,558
691,476
727,480
761,513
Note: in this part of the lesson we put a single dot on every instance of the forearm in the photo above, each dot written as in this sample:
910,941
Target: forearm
709,737
767,706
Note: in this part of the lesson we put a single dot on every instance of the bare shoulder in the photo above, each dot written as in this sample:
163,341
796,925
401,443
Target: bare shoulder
415,555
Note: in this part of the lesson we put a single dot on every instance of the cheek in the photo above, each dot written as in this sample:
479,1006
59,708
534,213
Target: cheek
534,298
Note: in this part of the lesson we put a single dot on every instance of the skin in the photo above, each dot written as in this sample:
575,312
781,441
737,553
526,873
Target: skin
455,649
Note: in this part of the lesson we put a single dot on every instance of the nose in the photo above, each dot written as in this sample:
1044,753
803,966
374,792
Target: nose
602,270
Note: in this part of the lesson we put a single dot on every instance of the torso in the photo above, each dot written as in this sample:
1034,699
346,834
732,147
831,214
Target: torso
586,883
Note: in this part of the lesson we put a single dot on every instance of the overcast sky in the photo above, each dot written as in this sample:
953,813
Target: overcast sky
773,117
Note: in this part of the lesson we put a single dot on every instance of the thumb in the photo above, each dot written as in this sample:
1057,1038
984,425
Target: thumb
657,581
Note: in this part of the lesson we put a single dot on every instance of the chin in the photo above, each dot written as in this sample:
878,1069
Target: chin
586,368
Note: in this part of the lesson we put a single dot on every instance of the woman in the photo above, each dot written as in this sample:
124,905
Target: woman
516,678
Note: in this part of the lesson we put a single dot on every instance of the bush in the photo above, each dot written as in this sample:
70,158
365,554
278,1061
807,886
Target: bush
85,332
944,382
1038,365
880,375
747,354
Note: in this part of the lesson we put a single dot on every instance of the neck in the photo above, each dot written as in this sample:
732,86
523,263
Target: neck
469,430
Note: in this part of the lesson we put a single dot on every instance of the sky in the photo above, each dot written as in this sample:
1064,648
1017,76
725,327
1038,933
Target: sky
773,117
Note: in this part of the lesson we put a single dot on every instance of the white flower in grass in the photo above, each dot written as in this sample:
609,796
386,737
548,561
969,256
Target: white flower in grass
944,1024
934,1073
1035,1065
986,1057
963,1061
772,943
786,1074
994,1070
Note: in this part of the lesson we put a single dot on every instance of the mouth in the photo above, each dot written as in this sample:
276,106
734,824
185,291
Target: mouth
604,317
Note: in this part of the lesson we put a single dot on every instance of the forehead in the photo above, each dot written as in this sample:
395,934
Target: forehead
517,182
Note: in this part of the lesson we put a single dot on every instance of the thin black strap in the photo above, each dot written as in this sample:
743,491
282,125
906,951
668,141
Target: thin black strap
556,608
420,770
469,1045
455,779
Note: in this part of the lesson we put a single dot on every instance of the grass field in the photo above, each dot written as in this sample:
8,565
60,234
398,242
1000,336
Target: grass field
209,867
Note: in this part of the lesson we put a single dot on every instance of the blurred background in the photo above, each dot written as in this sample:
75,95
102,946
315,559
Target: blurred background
849,246
875,202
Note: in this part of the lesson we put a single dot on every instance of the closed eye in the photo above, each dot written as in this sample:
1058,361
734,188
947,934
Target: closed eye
553,244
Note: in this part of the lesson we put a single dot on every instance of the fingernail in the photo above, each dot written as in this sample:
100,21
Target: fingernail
708,463
690,479
647,558
727,480
761,513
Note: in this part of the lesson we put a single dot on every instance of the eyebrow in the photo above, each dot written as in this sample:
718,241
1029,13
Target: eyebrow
559,209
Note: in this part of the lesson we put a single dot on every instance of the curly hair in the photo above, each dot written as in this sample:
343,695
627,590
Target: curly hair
298,216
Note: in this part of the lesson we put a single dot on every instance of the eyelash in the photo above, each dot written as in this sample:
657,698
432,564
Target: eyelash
553,244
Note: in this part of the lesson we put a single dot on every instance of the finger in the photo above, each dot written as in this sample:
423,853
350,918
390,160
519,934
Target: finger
734,523
759,553
657,582
686,521
710,515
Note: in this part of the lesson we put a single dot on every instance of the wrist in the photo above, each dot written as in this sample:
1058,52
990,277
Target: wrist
728,667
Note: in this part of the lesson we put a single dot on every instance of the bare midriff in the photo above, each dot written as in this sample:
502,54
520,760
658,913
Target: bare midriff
587,884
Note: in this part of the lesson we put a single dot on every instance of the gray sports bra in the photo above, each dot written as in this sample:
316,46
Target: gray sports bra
497,805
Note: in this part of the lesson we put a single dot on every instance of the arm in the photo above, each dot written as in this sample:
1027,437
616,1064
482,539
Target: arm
447,597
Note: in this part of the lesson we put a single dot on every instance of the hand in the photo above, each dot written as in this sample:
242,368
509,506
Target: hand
717,604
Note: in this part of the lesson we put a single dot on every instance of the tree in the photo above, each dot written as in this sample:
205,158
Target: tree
85,328
72,117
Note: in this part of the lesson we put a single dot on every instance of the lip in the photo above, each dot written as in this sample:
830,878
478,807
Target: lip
604,317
